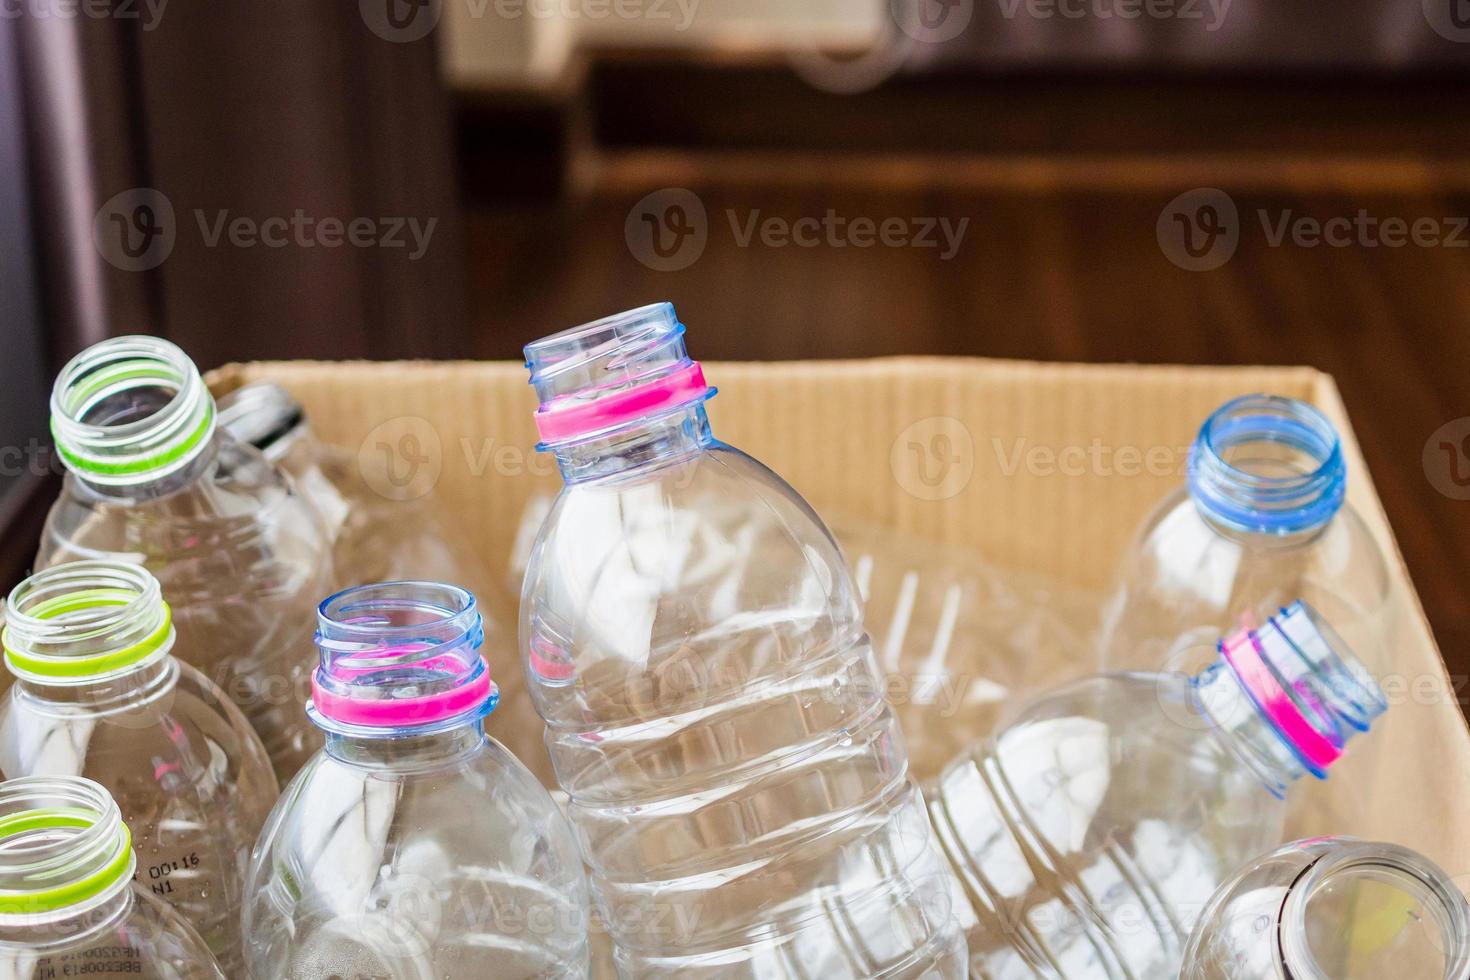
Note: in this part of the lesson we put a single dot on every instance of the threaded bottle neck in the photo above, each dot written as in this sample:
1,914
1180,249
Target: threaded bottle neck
1288,696
64,850
263,415
1362,908
400,660
598,381
85,621
130,411
1268,465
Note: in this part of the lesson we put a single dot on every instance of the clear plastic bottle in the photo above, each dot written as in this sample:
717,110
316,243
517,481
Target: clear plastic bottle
378,538
1089,833
100,692
68,904
1261,521
715,713
153,480
412,846
1334,909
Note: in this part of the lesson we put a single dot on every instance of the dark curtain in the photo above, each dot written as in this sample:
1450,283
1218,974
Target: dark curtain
252,179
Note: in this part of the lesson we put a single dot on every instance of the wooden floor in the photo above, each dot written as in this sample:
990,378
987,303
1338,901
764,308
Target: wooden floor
1065,268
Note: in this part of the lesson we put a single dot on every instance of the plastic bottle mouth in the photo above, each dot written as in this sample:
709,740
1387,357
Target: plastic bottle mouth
1363,908
129,411
82,621
1269,465
602,376
63,848
261,414
400,659
1303,679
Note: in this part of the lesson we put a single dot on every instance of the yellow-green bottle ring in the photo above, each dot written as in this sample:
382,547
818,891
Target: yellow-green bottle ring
39,900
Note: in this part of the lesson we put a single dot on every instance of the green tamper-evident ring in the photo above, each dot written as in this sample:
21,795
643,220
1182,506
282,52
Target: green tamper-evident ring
146,464
73,892
101,663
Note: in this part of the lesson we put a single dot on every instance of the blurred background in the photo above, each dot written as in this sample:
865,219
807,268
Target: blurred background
1192,181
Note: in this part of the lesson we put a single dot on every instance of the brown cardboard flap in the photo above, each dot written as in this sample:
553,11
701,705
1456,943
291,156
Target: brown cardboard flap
1042,467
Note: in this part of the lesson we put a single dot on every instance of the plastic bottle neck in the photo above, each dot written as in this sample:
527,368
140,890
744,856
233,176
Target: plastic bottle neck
66,860
1286,698
619,394
401,679
90,633
1377,888
407,751
1266,467
132,418
667,440
265,416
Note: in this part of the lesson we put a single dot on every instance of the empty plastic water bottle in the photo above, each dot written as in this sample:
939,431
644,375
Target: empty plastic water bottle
69,906
154,481
381,539
1260,521
376,539
412,846
1090,832
100,692
1334,909
715,713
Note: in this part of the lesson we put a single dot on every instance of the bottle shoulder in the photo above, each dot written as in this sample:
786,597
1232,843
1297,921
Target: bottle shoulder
718,522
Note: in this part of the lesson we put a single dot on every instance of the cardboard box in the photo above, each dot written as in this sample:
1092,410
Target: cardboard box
1042,467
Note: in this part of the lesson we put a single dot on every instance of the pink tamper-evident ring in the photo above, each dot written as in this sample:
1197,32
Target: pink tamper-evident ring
394,712
1243,651
558,422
